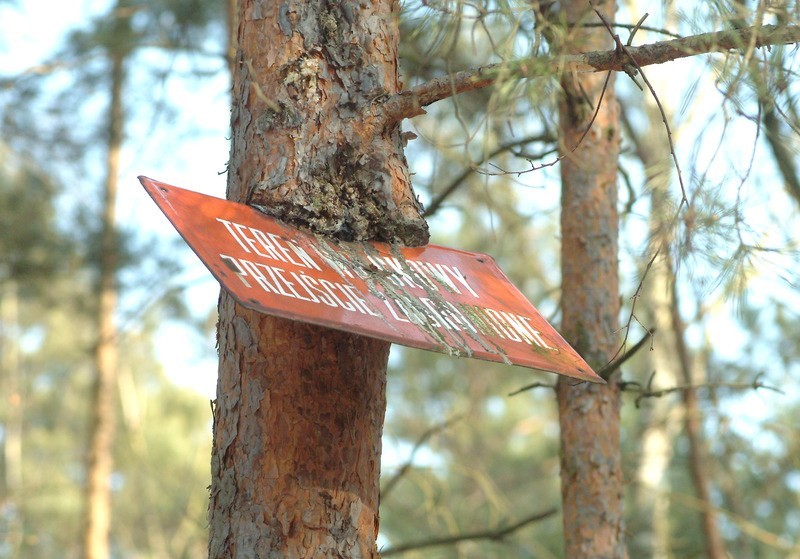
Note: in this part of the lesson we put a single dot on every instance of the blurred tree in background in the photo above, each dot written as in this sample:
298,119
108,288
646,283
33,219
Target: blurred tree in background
716,467
55,123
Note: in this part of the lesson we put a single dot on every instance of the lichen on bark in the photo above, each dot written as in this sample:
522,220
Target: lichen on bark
324,156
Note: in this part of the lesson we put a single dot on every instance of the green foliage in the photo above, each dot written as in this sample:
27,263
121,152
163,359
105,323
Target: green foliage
30,243
161,456
151,36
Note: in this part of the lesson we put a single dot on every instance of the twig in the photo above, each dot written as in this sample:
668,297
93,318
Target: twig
565,154
531,387
605,372
626,179
635,299
635,29
612,365
494,535
438,428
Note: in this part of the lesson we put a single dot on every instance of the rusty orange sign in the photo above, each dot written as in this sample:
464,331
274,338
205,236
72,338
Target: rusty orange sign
430,297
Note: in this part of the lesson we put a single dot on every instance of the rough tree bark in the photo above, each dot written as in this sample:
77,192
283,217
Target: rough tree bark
589,414
299,409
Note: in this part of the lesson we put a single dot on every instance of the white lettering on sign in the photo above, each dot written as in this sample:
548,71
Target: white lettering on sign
254,240
275,281
405,273
412,273
507,326
442,315
431,297
401,273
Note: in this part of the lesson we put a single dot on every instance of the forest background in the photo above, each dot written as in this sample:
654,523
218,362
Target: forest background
463,458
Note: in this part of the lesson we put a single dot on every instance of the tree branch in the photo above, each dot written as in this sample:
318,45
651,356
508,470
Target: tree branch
613,365
435,429
532,386
459,180
410,103
605,372
632,73
497,534
648,392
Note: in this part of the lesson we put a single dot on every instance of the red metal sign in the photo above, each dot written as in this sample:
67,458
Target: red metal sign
429,297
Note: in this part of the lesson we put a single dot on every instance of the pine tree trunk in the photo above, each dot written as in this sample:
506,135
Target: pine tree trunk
299,409
297,439
589,414
11,394
103,414
693,424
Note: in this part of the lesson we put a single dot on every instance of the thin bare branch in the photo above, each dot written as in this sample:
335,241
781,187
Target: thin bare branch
612,366
634,299
424,438
531,387
648,392
635,27
459,180
566,153
605,372
410,103
495,535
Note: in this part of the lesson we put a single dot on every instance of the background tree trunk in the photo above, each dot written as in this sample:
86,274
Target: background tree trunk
693,424
11,394
299,410
671,357
661,419
103,415
589,414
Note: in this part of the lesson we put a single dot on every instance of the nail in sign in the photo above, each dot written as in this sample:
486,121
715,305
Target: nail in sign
430,297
